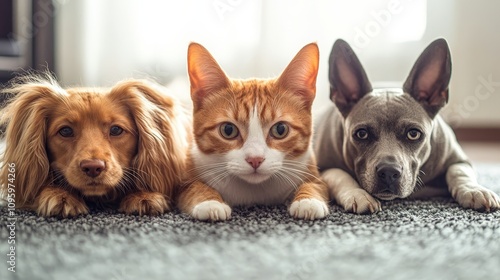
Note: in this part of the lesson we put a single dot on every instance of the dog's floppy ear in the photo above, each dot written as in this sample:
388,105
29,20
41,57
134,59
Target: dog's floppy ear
429,78
348,80
162,137
205,74
25,160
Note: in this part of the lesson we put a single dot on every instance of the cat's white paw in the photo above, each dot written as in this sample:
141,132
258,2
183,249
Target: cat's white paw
358,201
211,210
476,197
309,209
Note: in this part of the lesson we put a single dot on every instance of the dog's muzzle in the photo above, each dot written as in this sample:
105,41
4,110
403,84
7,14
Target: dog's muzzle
388,181
92,167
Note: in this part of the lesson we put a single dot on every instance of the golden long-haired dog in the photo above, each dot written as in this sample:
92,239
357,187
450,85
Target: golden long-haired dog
124,146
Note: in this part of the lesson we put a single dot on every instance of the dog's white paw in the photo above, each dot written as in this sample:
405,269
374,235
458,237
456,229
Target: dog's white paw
476,197
211,210
309,209
359,201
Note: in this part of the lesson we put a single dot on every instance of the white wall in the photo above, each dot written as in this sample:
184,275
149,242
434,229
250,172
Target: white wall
100,42
475,45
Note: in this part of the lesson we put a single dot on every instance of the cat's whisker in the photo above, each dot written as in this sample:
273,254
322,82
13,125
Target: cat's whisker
291,174
226,177
210,172
217,172
207,166
218,177
280,180
285,179
306,174
298,163
295,183
277,177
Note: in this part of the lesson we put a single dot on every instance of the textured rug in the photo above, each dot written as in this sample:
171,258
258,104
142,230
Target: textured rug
433,239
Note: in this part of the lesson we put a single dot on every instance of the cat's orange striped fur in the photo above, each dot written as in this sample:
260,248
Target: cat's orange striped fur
252,140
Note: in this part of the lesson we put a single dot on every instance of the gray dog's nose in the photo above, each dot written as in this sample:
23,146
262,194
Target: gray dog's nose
388,174
92,167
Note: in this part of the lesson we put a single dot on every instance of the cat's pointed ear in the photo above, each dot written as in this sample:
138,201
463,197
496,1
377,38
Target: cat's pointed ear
348,79
429,78
205,75
300,74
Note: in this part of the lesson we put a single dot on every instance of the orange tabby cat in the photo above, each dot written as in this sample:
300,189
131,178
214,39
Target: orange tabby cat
252,140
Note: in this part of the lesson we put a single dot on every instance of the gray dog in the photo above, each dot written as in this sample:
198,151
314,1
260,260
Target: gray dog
391,143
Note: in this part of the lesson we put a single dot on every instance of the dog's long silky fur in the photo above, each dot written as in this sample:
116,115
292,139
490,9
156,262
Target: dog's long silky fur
162,136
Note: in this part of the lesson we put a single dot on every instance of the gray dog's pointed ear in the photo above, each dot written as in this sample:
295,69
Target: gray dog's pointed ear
348,80
429,78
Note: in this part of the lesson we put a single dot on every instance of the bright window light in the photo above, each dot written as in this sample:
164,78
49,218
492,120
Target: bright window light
409,25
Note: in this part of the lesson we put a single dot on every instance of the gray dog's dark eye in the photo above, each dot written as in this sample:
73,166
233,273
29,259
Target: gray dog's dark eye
362,134
413,134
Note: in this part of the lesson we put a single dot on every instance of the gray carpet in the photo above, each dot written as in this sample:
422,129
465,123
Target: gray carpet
433,239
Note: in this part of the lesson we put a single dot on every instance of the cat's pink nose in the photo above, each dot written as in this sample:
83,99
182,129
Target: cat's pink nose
255,161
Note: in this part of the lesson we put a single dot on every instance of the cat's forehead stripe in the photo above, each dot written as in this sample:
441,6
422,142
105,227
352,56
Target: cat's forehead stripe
260,93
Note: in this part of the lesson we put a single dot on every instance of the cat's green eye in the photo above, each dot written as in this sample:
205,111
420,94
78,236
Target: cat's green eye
228,130
279,130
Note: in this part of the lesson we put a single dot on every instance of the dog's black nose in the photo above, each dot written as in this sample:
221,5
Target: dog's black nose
92,167
388,174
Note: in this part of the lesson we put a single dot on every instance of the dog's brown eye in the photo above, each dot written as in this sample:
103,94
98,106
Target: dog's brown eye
362,134
66,131
413,134
115,130
228,131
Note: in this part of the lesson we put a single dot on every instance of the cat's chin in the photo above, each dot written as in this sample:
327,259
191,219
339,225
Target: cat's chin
254,178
